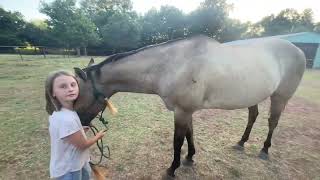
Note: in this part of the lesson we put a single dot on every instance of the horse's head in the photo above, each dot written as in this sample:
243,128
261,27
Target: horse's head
90,101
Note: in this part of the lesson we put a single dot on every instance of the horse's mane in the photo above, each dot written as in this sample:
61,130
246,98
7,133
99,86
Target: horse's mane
119,56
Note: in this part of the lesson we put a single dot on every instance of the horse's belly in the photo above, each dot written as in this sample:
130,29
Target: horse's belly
235,101
240,93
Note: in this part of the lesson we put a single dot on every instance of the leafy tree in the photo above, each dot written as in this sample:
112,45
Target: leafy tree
37,33
69,24
287,21
253,31
305,21
99,11
122,32
12,25
317,27
118,25
209,18
232,30
167,23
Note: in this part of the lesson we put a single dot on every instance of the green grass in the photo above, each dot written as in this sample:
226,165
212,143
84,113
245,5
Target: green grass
310,86
140,136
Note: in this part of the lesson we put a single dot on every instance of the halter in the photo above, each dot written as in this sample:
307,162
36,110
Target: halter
97,94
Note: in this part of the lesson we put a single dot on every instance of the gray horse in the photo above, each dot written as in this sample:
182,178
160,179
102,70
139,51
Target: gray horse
198,73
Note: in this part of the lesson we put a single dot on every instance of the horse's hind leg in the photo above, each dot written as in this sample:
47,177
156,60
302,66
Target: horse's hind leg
191,150
253,114
277,106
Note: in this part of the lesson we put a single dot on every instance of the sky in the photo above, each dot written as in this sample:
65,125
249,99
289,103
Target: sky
244,10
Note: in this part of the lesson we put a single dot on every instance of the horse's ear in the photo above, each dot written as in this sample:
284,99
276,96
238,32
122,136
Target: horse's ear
79,72
91,62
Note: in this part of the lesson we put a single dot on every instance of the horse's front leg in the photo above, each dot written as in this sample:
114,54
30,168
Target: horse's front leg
181,121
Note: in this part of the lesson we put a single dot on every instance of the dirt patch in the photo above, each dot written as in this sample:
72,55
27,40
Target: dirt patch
298,140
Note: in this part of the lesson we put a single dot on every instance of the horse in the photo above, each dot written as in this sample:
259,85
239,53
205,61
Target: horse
196,73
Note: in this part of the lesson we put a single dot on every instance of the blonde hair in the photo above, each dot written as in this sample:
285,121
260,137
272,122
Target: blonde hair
53,104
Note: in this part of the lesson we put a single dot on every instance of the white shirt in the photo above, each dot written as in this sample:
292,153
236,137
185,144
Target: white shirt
65,157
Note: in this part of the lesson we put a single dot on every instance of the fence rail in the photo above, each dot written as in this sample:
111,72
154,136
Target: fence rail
36,50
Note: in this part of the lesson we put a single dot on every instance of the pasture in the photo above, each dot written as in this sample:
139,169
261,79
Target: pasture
141,135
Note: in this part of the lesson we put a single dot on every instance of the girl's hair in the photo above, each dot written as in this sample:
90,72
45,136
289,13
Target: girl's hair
53,104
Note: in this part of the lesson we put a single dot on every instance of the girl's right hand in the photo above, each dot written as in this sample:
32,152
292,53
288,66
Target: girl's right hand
100,134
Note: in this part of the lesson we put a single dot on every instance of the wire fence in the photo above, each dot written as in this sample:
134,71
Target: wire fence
36,52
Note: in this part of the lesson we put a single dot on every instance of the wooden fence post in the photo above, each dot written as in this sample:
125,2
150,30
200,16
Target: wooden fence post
20,54
44,51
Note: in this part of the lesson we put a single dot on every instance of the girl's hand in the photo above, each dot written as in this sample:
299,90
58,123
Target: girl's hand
100,134
77,139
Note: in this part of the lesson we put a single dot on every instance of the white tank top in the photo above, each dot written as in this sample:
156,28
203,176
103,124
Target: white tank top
65,157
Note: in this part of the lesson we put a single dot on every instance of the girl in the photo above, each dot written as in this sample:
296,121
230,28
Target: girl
69,144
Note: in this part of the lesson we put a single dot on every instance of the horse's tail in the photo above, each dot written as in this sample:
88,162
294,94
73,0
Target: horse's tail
97,172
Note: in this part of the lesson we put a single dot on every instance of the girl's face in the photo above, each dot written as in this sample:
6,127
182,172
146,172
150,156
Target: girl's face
65,89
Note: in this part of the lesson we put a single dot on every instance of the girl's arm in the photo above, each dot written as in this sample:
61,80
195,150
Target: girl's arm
86,128
78,140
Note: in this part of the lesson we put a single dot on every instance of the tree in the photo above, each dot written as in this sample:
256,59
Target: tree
118,25
287,21
253,31
37,33
12,25
165,24
99,11
232,30
122,32
317,27
306,21
209,18
70,25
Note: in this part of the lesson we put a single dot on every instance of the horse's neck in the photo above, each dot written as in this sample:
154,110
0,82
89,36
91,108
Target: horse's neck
132,74
151,69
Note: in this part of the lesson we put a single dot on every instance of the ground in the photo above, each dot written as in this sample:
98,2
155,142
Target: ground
141,135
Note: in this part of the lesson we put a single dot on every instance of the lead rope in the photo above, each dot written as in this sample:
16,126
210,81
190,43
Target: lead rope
99,143
104,149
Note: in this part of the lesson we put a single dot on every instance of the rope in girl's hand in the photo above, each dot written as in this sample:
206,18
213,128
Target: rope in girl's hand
99,143
95,130
104,149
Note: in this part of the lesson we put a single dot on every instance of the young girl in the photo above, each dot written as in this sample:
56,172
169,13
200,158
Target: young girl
69,144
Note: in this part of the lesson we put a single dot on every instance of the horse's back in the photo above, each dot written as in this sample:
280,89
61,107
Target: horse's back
292,63
228,76
244,75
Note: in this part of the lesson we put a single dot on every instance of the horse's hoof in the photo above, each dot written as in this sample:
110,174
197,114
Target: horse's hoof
187,162
263,155
166,176
238,147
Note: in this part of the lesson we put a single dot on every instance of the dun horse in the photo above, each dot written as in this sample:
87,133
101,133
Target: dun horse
198,73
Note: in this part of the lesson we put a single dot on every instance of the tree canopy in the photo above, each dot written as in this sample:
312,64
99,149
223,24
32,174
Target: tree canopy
111,26
12,26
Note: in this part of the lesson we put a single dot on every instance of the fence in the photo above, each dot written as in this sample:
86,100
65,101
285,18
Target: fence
37,51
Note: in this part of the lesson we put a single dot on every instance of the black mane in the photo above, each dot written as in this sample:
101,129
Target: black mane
119,56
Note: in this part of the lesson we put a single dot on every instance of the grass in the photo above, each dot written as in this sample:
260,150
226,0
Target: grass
140,136
310,86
